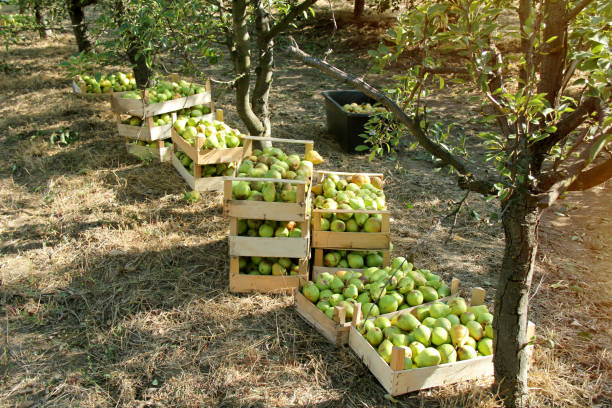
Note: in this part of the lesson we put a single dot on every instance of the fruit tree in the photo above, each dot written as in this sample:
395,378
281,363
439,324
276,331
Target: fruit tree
549,97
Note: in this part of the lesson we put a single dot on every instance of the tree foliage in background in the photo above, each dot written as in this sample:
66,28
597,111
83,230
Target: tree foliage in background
545,83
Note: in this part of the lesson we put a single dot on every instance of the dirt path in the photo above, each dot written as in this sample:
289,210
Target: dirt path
115,289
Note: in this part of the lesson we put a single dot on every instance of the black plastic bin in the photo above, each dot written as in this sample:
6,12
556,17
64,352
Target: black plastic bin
346,126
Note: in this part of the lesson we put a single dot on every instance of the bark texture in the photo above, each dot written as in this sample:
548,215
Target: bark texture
41,21
77,18
512,298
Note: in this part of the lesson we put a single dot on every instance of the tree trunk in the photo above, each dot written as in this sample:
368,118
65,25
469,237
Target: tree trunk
358,10
241,58
77,18
511,359
142,73
41,21
263,79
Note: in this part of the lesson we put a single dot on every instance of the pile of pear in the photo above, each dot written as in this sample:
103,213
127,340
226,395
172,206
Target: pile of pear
208,170
167,91
363,108
117,82
217,134
268,228
379,290
355,192
256,265
273,163
166,118
433,334
341,258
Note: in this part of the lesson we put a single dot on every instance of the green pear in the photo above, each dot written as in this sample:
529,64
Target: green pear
416,348
310,291
429,322
336,285
408,322
381,322
370,309
485,346
439,310
414,298
399,339
384,349
447,353
444,323
351,292
475,329
429,293
467,317
459,335
439,336
466,353
428,357
388,304
374,336
422,334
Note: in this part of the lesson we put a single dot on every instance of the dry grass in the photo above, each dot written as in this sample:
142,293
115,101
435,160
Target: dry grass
114,290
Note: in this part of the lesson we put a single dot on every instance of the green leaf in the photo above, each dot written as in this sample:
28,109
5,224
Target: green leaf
598,145
361,148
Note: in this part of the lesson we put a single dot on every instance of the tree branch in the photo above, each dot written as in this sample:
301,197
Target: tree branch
568,123
592,177
576,10
572,175
463,167
284,22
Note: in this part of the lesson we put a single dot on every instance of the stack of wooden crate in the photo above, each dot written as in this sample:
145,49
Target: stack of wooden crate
323,241
297,248
147,131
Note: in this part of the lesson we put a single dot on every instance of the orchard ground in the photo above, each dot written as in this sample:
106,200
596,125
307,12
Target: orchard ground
115,290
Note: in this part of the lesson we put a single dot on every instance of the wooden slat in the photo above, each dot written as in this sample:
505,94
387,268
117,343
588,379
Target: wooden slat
268,247
351,240
200,184
371,359
333,332
138,107
478,296
242,283
398,355
262,210
144,132
427,377
163,154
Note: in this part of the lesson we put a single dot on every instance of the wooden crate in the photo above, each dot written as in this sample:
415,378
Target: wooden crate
318,266
80,89
142,108
211,156
349,240
336,331
243,283
163,154
273,247
397,381
196,181
262,210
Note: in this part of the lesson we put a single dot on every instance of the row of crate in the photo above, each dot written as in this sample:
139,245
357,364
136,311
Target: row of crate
313,241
